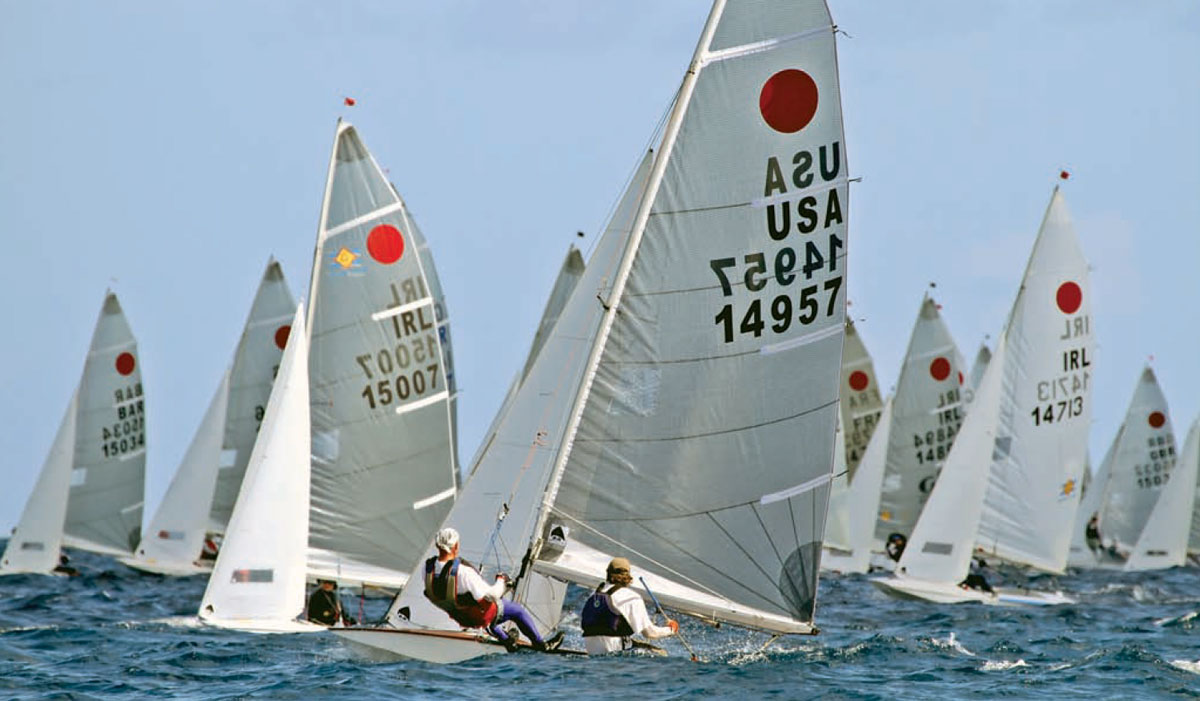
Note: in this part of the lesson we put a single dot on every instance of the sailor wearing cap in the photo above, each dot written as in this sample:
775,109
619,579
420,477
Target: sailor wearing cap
612,616
458,589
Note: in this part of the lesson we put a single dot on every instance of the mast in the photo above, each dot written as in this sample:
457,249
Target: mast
627,258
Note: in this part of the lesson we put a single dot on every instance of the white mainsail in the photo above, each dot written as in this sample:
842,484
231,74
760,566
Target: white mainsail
1143,460
927,413
258,579
384,464
1041,442
36,542
108,475
255,364
1094,493
861,399
1163,541
204,488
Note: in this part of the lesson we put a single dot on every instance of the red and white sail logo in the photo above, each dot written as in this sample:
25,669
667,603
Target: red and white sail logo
788,100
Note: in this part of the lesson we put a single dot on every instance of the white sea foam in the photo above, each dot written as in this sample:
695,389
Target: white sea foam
1173,620
951,643
1001,665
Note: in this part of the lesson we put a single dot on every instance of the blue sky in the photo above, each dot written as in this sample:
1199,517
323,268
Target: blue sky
166,149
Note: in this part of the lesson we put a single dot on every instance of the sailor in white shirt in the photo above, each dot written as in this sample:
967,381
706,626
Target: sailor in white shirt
614,613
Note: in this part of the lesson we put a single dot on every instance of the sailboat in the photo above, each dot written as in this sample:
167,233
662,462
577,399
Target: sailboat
1009,482
861,400
1129,498
564,285
257,583
682,412
384,461
927,413
198,502
89,493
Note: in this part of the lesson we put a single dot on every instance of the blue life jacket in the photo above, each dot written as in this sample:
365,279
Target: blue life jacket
601,617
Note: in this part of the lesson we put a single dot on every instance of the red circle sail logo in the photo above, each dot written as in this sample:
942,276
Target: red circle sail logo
385,244
1157,419
1069,297
281,335
939,369
788,100
859,380
125,363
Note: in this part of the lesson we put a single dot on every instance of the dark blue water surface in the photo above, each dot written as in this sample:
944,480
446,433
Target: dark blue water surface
116,633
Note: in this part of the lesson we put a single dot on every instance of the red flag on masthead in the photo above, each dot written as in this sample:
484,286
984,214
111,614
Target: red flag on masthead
349,101
1063,175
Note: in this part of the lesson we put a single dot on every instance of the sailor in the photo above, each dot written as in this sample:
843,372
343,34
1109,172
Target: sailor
325,607
208,550
64,568
895,546
614,613
456,587
1092,533
975,578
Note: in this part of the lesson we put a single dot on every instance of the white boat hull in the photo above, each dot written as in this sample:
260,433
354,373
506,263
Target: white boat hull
439,647
252,625
170,569
946,593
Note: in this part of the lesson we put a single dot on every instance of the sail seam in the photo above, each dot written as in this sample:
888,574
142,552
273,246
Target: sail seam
762,202
713,433
361,219
759,47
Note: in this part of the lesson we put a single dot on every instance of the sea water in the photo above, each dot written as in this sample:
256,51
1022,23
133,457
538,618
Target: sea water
116,633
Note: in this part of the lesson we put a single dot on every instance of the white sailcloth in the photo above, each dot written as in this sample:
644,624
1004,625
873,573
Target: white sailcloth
104,507
703,449
564,285
258,580
927,413
861,399
1143,461
1041,446
37,540
939,549
255,364
1163,542
175,535
384,469
859,506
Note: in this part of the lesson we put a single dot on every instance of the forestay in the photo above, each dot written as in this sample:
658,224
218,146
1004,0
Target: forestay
384,467
1143,462
104,509
927,412
37,540
258,580
861,399
1041,449
1163,542
255,363
701,443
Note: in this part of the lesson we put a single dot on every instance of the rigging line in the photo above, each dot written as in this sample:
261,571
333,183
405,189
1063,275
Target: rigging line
749,557
723,597
771,542
722,432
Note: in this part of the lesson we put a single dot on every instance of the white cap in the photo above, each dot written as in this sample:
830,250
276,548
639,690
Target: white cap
447,538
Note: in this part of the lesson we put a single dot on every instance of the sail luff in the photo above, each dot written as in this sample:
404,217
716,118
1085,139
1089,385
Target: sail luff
639,227
319,248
